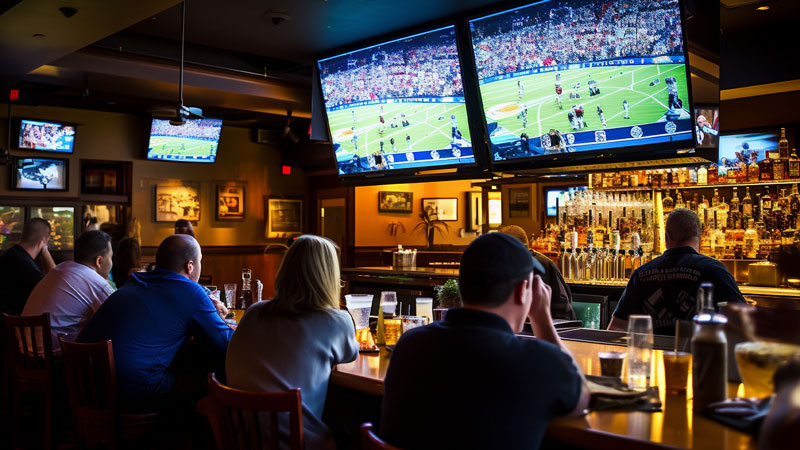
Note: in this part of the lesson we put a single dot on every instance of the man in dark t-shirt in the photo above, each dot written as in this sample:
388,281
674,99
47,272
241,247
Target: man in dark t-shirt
666,287
469,382
19,273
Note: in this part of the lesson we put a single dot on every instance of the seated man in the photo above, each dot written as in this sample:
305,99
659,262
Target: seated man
19,273
666,287
561,301
469,382
153,314
74,290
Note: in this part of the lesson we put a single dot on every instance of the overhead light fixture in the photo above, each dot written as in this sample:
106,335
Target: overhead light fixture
763,8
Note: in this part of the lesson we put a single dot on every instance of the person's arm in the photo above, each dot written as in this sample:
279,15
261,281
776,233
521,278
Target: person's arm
543,329
619,319
207,324
47,259
346,346
725,287
617,324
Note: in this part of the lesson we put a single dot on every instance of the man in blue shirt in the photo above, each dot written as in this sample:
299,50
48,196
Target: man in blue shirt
666,287
469,382
152,316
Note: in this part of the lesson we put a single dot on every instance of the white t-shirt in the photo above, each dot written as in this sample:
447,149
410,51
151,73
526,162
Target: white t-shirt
71,293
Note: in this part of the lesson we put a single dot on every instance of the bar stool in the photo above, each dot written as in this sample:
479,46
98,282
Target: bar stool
29,355
373,442
234,416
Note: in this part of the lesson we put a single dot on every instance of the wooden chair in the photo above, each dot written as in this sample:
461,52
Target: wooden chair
29,355
92,386
235,417
373,442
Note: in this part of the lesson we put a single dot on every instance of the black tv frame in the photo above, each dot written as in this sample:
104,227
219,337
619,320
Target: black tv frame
16,123
661,150
12,175
694,118
149,135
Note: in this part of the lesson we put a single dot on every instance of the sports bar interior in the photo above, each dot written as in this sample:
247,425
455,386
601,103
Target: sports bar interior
402,134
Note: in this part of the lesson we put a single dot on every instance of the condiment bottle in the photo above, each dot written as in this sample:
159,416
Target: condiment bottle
709,351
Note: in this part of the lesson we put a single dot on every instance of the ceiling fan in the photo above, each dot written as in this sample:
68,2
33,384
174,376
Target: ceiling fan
179,114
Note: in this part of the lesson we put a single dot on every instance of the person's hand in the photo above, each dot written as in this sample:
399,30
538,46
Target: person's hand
540,300
221,309
44,250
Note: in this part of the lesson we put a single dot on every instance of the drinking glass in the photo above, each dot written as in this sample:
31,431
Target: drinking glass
640,351
425,307
230,295
388,302
611,363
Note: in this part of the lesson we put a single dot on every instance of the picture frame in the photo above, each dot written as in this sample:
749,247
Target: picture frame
173,202
441,208
39,174
230,201
519,202
395,202
284,216
103,177
474,211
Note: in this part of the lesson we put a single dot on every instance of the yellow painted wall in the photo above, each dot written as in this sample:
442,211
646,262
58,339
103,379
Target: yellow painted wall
114,136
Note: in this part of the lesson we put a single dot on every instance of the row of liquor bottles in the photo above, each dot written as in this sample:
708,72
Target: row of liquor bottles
777,165
600,264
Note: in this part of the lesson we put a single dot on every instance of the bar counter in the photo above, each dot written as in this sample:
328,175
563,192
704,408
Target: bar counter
675,427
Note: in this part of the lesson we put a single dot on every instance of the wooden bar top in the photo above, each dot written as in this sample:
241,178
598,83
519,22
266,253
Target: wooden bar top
675,427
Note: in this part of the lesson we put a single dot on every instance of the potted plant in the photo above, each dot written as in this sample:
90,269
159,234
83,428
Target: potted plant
447,295
429,226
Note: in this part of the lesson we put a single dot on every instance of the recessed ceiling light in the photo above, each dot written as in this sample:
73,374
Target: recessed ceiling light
763,8
38,35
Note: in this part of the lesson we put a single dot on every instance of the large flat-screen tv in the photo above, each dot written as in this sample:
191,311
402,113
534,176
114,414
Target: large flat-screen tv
46,174
562,77
194,141
45,136
397,105
706,119
734,148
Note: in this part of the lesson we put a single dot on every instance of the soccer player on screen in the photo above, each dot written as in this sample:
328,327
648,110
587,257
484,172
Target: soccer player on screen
523,115
559,90
579,117
408,141
627,108
453,125
571,118
394,146
672,88
601,115
520,89
354,139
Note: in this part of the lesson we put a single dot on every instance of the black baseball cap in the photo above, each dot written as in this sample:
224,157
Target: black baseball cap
496,258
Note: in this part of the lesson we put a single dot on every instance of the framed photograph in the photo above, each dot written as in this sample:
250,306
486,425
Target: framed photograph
39,174
284,217
230,202
177,202
441,208
103,177
398,202
519,202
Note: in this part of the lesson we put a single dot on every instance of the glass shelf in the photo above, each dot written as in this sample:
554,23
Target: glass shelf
703,186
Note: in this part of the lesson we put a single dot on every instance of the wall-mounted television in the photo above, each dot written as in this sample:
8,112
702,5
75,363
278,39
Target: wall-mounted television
555,196
561,78
48,174
738,147
706,120
194,141
45,136
398,105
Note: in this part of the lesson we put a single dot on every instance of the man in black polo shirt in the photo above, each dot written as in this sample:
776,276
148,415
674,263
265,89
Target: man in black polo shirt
19,273
469,382
666,287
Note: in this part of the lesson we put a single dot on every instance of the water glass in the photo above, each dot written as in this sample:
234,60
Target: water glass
640,351
230,295
425,308
388,302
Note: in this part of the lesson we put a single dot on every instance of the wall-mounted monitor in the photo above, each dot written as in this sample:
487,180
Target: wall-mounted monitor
398,105
560,79
44,136
734,148
706,120
555,196
194,141
48,174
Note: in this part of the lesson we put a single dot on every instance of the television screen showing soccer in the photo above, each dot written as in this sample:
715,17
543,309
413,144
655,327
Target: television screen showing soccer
46,136
194,141
397,105
578,75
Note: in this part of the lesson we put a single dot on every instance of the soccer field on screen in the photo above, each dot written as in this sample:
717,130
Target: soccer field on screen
176,146
429,127
648,104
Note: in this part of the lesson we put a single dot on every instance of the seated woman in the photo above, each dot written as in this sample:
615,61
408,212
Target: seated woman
295,340
126,260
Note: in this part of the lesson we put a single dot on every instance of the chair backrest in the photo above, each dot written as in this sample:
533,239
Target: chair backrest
92,385
29,350
373,442
239,424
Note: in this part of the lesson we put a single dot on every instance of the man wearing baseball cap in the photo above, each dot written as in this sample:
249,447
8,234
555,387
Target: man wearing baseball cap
469,381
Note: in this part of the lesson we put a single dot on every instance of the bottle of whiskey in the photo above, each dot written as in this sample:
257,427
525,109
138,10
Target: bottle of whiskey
692,176
747,204
679,200
722,173
783,146
752,168
765,168
702,176
734,214
715,201
713,174
735,200
778,168
794,165
751,240
668,204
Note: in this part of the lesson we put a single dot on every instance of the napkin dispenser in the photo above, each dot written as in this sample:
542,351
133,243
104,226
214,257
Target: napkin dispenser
763,273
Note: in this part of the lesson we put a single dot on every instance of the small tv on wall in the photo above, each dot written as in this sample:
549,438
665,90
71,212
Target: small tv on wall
194,141
45,136
39,174
706,119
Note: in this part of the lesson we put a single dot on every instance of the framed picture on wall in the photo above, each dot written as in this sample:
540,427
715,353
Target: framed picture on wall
441,208
474,211
230,203
177,202
284,216
519,202
397,202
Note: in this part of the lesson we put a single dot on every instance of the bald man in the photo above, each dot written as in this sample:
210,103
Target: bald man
153,314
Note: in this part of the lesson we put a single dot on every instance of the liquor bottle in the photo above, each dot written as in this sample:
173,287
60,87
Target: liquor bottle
668,204
794,207
693,202
794,165
683,174
692,176
715,200
783,146
702,176
722,173
246,296
564,266
747,205
765,168
766,204
752,169
751,240
722,214
709,352
734,206
778,168
679,200
757,208
734,214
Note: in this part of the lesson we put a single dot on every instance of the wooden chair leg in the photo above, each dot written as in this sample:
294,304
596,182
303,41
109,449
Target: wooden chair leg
48,420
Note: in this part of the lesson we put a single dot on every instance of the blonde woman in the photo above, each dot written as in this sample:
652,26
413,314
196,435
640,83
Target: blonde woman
295,340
